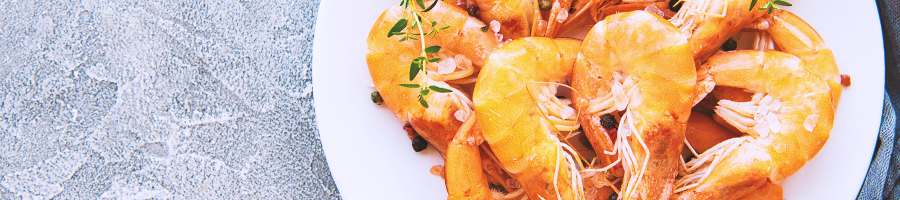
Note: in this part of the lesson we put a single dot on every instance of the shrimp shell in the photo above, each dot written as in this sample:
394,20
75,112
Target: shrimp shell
521,135
649,62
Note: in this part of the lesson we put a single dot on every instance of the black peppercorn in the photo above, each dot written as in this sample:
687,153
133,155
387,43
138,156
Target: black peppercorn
613,196
675,5
419,144
729,45
608,122
472,10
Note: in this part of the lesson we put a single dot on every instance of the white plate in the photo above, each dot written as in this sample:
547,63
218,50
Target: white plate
370,156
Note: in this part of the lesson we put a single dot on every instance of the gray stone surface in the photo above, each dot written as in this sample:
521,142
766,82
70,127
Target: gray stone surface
159,100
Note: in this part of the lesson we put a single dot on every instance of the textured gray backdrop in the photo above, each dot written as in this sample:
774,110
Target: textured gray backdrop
159,100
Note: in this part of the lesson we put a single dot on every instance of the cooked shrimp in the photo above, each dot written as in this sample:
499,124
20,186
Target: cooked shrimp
703,133
709,23
641,64
564,14
514,16
523,18
464,49
786,123
794,36
660,8
520,117
465,179
768,191
464,170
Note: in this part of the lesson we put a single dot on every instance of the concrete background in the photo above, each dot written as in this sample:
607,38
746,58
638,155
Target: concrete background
159,100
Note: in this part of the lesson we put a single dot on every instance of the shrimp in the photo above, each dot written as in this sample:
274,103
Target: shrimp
639,62
464,49
514,16
465,179
524,18
768,191
465,176
520,117
657,7
703,133
786,123
709,23
794,36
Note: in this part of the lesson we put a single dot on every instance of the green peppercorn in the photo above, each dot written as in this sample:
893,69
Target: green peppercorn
545,5
376,98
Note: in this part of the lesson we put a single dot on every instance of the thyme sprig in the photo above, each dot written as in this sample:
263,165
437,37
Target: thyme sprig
406,29
772,5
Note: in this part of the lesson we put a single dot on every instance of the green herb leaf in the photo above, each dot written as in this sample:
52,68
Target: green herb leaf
445,27
404,38
421,4
432,49
484,28
433,23
431,6
414,69
783,3
439,89
424,91
398,27
422,101
413,85
752,4
434,59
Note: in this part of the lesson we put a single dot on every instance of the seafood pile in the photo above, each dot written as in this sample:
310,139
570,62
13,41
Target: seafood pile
662,99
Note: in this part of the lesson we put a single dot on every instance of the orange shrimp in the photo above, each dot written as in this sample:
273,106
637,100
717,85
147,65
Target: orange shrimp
464,49
794,36
703,132
786,123
768,191
465,179
709,23
657,7
465,176
520,117
639,62
523,18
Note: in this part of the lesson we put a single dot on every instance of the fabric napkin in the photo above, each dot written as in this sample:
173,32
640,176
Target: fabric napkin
881,180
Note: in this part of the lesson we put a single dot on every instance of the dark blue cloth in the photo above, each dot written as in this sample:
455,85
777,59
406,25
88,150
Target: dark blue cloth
881,180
